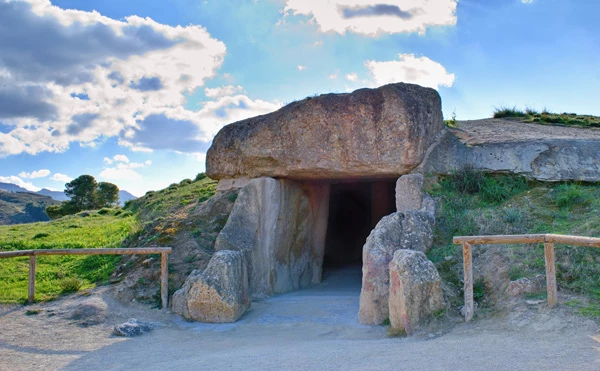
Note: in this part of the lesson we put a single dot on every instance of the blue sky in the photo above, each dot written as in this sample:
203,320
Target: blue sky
132,92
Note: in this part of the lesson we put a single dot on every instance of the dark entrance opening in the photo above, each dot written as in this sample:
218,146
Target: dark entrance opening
354,210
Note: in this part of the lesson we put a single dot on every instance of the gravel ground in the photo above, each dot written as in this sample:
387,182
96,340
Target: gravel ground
315,328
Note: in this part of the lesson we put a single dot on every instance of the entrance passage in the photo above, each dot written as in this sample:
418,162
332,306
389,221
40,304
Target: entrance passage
354,210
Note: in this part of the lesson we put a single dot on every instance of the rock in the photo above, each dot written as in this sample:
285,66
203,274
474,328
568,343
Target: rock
132,328
217,295
410,230
89,312
280,227
541,152
377,254
228,184
417,230
381,132
415,290
409,192
525,285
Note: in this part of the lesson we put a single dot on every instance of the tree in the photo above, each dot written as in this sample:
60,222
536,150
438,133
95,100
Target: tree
82,192
107,195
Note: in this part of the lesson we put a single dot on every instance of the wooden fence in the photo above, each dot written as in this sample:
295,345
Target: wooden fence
164,263
547,239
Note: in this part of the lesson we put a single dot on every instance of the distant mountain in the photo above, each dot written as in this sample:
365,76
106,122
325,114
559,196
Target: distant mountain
23,207
59,196
124,196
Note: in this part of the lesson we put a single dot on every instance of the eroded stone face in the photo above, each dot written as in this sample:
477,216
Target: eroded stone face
375,133
279,226
217,295
415,290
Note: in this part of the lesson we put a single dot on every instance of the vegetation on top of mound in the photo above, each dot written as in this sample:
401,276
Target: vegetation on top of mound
471,203
85,194
545,117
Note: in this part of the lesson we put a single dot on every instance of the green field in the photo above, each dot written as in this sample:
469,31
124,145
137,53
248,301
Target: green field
56,274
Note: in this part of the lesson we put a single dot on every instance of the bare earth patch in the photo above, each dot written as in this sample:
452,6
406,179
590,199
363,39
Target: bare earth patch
316,328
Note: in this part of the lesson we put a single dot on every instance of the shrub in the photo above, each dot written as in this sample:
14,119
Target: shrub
70,284
569,195
199,177
104,211
40,235
502,112
185,182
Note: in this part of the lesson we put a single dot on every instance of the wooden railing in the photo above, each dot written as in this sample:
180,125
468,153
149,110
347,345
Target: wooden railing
547,239
164,263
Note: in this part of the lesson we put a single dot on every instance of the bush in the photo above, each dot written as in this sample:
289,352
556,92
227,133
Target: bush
40,235
104,211
199,177
569,195
70,284
503,112
185,182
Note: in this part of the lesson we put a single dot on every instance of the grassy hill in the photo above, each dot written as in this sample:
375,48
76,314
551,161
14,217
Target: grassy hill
18,207
143,222
476,204
548,118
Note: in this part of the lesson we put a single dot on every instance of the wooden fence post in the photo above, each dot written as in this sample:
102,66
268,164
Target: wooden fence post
31,287
550,273
164,279
468,275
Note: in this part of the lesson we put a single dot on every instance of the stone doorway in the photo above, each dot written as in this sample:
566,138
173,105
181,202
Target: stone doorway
354,210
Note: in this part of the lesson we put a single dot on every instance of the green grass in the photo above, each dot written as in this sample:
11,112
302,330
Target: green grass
545,117
471,203
59,274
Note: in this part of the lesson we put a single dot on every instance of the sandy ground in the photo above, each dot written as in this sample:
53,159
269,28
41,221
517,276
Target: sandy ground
474,132
310,329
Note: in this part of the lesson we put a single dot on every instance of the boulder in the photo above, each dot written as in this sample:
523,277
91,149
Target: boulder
526,285
217,295
409,192
377,254
279,226
415,290
409,230
381,132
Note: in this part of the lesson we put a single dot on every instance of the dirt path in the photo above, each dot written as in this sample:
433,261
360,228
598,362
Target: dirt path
309,329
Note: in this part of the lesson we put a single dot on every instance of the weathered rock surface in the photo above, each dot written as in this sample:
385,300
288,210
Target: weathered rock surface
409,192
542,152
526,285
133,328
381,132
410,230
280,226
415,290
217,295
378,251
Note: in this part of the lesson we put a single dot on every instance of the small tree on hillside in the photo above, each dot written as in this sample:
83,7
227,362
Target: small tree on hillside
82,192
107,195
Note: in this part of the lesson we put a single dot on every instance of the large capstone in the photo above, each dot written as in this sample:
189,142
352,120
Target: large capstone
370,133
279,226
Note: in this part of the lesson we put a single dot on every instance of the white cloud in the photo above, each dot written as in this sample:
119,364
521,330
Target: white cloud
352,77
61,178
527,1
301,68
410,69
222,91
333,76
64,88
120,174
318,43
121,158
12,179
42,173
373,17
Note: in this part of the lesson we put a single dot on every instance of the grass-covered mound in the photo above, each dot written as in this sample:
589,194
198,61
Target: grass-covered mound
545,117
471,203
57,274
152,220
